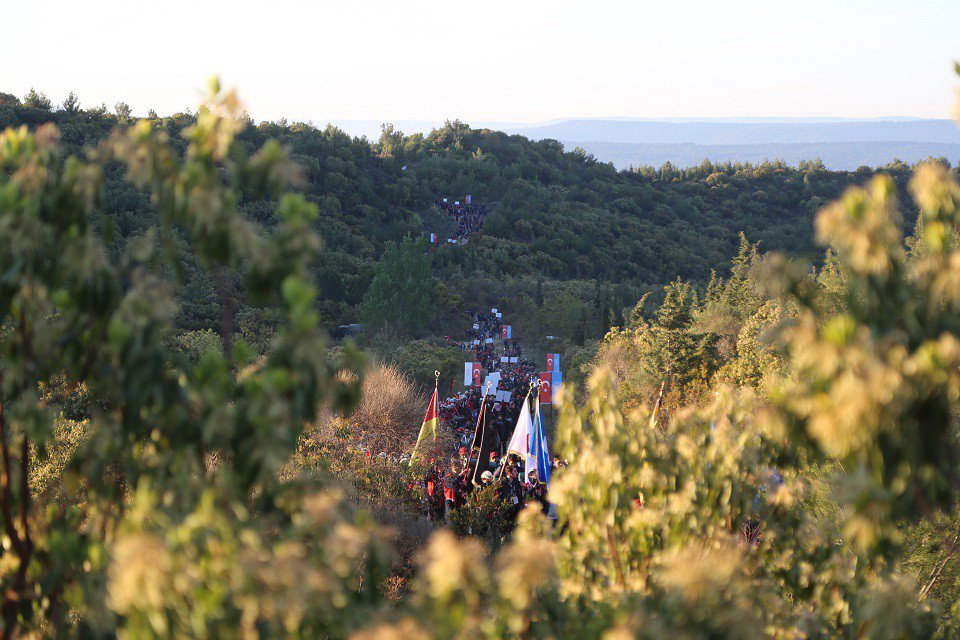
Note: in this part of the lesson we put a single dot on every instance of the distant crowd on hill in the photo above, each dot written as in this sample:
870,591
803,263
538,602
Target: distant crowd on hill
469,217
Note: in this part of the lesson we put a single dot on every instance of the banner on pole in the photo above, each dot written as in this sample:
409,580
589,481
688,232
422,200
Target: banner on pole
476,374
469,199
546,387
553,362
506,332
467,374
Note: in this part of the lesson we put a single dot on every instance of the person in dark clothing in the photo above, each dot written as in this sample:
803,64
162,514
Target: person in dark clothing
511,493
433,492
536,491
494,463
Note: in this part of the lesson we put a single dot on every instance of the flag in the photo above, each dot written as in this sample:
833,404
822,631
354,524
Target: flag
546,388
519,441
433,238
469,199
476,373
539,453
428,430
553,362
484,441
506,332
471,373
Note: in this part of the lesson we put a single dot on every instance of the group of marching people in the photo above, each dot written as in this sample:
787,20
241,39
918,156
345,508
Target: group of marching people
469,216
484,420
446,490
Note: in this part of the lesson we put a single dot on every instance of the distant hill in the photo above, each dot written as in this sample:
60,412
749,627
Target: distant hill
715,133
841,156
840,144
566,234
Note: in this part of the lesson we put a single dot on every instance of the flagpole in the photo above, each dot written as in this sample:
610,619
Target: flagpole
481,426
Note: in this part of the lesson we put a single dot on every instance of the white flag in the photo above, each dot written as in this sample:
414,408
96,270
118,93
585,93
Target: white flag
520,441
467,373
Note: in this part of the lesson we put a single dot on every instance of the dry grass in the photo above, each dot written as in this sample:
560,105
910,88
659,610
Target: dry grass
390,411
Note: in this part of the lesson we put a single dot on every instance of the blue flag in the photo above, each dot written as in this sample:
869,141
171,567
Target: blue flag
539,453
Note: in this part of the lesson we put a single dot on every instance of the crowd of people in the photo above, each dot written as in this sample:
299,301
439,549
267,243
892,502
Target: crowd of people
445,489
468,216
483,419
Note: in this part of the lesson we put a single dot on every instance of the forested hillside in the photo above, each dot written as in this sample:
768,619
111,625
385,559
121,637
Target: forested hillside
560,223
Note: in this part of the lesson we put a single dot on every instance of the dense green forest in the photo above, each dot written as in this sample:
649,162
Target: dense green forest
569,245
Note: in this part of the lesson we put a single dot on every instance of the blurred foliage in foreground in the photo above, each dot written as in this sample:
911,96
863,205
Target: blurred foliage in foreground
800,482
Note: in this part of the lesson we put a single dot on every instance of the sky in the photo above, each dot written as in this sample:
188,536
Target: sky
521,61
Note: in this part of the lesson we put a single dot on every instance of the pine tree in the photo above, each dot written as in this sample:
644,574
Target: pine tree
72,103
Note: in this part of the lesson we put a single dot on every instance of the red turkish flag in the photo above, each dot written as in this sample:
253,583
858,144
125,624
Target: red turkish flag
549,363
476,374
546,388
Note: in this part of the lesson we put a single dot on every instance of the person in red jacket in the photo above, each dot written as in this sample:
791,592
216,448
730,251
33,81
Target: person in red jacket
433,499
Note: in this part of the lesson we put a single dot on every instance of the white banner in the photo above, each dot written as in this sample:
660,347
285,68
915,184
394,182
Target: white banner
467,373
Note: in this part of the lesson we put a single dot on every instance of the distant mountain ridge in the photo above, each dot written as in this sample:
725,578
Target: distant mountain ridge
841,144
699,132
838,156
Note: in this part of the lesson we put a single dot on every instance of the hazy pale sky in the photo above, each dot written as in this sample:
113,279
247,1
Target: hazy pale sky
516,60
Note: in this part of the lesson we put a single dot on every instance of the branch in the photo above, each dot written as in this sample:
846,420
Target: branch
938,569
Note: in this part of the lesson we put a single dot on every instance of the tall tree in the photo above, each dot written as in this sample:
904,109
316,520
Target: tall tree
71,104
400,292
37,100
